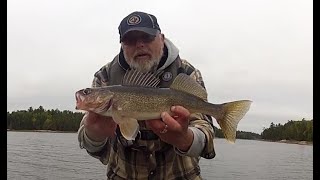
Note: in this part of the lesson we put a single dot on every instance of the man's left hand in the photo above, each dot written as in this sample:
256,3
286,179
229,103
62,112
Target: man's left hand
173,129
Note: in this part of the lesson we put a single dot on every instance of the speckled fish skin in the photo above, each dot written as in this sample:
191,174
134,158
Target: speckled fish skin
140,99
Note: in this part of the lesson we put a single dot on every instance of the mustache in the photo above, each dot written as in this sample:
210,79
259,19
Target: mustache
140,52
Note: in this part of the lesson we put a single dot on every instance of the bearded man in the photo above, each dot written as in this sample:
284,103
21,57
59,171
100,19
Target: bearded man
166,148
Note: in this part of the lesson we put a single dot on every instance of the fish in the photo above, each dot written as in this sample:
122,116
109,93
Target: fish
140,98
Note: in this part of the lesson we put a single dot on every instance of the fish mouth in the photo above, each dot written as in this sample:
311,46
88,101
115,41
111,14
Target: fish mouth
99,108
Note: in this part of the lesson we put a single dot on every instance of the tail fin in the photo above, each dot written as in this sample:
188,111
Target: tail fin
233,113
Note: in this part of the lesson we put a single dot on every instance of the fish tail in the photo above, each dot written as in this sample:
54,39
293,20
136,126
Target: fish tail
232,113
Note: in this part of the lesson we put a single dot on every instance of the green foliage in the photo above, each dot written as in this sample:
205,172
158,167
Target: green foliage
56,120
41,119
292,130
239,135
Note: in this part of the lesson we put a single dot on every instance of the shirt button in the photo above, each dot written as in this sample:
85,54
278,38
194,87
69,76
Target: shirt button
151,172
150,155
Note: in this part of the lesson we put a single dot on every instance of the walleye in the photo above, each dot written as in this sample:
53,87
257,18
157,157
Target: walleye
140,98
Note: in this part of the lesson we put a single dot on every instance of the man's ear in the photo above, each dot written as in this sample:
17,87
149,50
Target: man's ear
162,38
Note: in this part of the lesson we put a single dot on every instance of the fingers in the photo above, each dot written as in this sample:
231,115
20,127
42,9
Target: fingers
180,111
181,115
93,118
99,127
167,122
171,123
177,122
156,125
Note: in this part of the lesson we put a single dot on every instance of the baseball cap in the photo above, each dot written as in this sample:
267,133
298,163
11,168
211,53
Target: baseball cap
139,21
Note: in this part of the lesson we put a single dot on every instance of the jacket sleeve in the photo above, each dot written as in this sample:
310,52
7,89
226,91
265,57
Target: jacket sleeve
99,150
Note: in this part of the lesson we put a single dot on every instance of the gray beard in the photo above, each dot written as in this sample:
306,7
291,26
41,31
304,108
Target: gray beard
150,66
145,66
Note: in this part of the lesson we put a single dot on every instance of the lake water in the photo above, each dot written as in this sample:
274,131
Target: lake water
41,155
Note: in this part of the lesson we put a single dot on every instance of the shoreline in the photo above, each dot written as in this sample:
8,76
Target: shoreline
50,131
309,143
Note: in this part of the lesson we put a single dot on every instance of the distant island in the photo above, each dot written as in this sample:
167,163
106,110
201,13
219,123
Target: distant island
299,132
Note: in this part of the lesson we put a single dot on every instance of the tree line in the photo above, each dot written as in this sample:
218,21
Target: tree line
41,119
56,120
292,130
239,134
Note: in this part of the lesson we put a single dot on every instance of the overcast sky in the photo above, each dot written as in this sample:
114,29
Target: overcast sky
245,49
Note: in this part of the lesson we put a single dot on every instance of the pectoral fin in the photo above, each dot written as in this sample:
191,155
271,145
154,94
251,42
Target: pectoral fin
129,129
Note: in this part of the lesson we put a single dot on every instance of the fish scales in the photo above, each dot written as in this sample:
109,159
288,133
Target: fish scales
129,102
141,101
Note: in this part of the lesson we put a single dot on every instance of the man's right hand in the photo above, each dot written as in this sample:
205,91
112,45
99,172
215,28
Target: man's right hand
98,127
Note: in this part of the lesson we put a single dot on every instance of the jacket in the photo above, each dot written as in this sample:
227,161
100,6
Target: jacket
148,157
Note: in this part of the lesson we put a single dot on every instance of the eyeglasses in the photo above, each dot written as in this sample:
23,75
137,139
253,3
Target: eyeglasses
132,39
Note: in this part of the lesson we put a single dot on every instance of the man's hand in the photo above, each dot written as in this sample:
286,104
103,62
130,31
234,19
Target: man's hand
98,127
178,134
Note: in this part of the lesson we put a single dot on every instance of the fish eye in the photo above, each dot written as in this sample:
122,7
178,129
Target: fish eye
86,91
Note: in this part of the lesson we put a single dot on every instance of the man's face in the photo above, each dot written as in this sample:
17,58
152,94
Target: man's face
142,51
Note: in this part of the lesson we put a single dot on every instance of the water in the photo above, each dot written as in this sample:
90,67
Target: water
40,155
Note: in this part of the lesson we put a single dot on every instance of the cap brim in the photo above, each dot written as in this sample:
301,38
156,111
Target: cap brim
150,31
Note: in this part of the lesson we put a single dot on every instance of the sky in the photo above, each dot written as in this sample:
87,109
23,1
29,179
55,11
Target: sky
261,50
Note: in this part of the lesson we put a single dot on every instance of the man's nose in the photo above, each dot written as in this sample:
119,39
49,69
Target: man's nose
140,43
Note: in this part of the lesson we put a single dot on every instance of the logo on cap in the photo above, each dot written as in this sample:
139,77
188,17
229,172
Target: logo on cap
134,20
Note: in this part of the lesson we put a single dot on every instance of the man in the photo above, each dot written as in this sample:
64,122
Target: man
166,148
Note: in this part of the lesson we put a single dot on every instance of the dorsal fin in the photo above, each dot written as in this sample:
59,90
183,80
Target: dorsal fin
186,84
137,78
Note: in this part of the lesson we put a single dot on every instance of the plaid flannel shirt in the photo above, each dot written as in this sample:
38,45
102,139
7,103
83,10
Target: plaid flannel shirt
153,159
